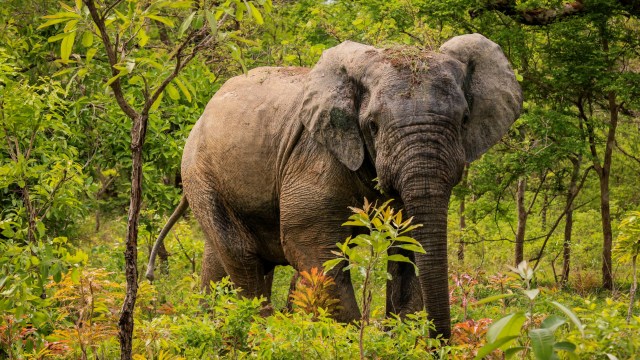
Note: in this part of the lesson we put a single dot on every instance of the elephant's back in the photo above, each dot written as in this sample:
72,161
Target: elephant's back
235,144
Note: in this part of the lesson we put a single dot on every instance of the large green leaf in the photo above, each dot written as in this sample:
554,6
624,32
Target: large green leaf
570,315
508,326
542,341
552,322
490,347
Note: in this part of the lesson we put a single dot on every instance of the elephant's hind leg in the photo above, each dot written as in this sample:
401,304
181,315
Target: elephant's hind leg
230,248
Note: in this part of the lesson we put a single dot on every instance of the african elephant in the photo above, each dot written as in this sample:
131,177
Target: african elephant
279,154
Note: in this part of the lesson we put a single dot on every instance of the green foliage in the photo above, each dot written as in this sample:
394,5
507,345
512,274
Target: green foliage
366,253
27,271
506,333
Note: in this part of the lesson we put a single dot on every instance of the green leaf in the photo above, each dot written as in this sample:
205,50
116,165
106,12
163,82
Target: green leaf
87,39
174,94
490,347
565,346
57,37
90,54
412,247
9,233
213,24
185,24
542,343
508,326
256,14
398,258
161,19
41,229
552,322
510,352
156,104
63,15
51,22
67,45
492,298
75,275
330,264
570,315
183,88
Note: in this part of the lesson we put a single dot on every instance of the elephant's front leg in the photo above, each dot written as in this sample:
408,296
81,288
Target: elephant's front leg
310,223
404,295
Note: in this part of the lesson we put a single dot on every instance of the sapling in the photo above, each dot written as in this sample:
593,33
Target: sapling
628,246
366,252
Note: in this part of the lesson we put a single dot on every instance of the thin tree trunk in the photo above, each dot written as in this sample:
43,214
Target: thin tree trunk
522,220
544,211
634,287
463,223
568,225
138,132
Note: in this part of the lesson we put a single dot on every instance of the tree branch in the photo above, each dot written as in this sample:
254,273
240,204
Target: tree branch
116,86
566,209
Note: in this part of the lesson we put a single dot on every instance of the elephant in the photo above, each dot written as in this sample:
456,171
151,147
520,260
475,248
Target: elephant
279,154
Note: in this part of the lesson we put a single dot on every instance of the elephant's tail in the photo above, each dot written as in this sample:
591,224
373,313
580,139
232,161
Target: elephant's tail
177,213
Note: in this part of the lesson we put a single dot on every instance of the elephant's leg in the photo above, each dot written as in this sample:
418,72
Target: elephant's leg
404,295
230,247
212,268
310,226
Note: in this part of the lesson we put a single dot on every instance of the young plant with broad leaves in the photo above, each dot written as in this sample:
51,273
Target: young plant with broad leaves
506,334
367,253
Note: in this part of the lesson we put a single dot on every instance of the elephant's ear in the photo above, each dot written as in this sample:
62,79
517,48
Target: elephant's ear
330,102
493,94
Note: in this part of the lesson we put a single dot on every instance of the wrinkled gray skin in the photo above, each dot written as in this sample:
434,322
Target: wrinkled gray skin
279,154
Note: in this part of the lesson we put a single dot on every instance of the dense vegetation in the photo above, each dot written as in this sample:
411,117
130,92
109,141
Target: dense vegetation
97,99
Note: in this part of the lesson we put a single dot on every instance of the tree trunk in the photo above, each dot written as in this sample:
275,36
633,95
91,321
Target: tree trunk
568,225
522,220
138,132
463,223
634,287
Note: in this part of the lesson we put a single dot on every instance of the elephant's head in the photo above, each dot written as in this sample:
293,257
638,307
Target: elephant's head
419,116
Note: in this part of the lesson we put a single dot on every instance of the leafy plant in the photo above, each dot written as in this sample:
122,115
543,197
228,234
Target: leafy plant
312,293
366,252
505,332
628,246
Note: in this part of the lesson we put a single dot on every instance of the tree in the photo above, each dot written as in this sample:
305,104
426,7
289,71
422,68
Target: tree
143,65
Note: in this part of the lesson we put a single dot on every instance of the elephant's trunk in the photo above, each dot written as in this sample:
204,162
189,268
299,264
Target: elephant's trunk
425,189
431,212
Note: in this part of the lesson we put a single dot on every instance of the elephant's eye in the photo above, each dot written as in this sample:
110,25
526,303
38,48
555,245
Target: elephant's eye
374,128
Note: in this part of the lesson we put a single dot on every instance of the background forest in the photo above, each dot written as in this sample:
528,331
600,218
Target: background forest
97,99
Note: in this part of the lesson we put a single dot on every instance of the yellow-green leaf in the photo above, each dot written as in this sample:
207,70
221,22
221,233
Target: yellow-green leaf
63,15
156,104
161,19
87,39
183,88
71,25
51,22
186,23
67,46
143,38
173,92
90,54
57,37
256,14
213,24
